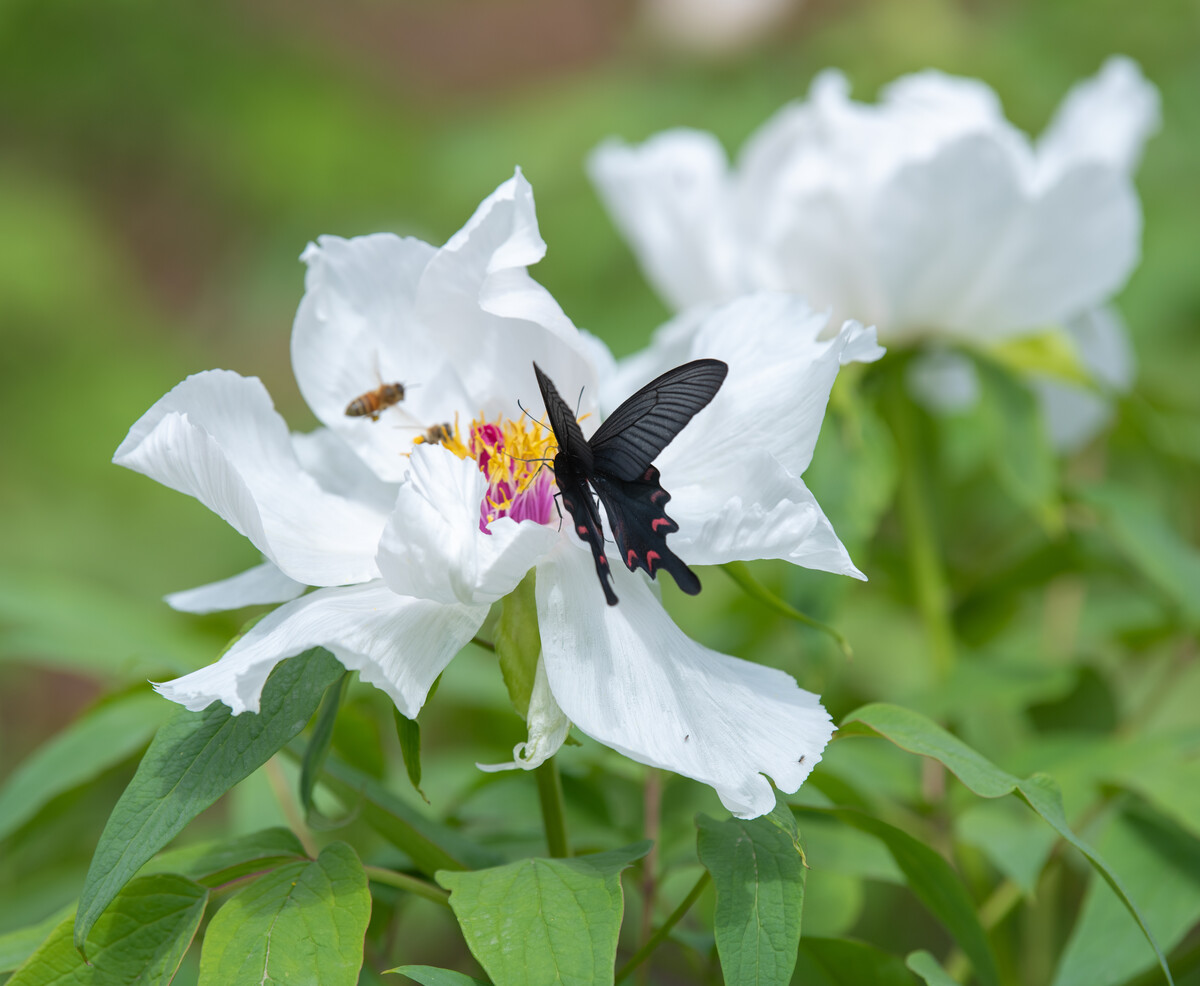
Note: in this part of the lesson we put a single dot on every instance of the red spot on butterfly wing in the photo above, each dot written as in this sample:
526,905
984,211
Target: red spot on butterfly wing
651,558
631,559
659,522
583,531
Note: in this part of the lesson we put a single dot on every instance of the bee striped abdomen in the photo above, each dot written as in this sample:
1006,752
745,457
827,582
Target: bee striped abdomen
374,402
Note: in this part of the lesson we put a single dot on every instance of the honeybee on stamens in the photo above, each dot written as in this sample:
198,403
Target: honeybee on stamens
436,434
374,402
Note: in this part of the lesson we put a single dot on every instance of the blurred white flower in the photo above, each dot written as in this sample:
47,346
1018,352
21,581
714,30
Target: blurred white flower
714,27
411,542
927,214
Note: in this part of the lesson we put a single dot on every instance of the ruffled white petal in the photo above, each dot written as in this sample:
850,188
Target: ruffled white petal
754,509
627,676
217,437
548,728
433,547
256,586
458,326
669,197
333,464
1106,119
398,644
963,248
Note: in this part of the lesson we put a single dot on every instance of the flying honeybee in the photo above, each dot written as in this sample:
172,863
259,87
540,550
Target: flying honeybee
375,402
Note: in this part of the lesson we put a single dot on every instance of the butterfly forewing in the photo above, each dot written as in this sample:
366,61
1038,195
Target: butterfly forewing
617,462
566,429
630,438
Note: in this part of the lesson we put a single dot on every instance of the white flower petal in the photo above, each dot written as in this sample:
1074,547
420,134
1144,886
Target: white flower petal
217,437
398,644
357,328
256,586
754,508
333,464
630,678
669,198
964,248
1075,415
433,547
774,398
548,728
491,320
1105,119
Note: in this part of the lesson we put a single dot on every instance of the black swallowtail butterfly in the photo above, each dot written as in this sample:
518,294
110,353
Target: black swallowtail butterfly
617,461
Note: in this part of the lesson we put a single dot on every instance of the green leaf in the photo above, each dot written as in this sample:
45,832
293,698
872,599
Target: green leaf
431,845
926,966
758,874
1161,864
195,758
215,863
16,946
544,921
519,643
104,737
934,883
740,572
317,750
1023,459
914,732
1012,839
427,975
408,731
842,962
303,923
142,937
1142,534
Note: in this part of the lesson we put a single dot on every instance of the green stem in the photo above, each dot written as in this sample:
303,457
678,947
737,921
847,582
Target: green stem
414,885
739,571
550,794
660,935
924,562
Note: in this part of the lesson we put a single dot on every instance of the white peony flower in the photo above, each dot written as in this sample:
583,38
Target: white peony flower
410,542
927,214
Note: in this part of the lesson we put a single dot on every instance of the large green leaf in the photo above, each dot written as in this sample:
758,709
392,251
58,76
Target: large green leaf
303,923
934,883
141,938
758,873
427,975
89,746
1161,864
544,921
914,732
844,962
1012,839
195,758
320,739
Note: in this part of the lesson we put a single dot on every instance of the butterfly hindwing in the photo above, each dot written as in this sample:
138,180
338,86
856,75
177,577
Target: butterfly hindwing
640,525
633,435
577,498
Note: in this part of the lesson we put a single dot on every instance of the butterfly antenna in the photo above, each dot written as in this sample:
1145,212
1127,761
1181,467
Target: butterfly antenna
579,403
524,412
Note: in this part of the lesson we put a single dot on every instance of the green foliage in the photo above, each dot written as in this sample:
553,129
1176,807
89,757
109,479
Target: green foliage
758,871
195,758
1033,634
304,922
544,920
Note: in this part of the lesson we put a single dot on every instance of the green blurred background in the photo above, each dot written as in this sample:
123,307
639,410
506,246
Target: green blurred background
163,165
